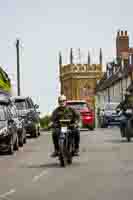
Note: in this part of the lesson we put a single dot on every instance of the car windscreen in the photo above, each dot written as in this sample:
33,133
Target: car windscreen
77,105
2,114
21,105
111,107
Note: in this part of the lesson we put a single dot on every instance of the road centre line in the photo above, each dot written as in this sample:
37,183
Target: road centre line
36,178
7,193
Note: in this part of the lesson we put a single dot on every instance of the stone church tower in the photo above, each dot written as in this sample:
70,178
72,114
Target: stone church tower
78,81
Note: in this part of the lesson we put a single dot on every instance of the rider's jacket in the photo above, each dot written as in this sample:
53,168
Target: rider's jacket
65,113
127,103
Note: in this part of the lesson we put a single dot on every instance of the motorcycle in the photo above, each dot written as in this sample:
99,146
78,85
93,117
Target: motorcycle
126,126
66,143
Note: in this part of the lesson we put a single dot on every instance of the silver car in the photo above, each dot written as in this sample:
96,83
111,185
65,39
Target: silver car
108,115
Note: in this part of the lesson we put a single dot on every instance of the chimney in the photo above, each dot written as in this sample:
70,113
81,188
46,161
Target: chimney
121,33
118,33
125,33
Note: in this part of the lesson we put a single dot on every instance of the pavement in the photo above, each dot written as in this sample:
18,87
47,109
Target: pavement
104,170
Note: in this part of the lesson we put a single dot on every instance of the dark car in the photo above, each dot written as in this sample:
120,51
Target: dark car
8,129
27,110
109,116
86,113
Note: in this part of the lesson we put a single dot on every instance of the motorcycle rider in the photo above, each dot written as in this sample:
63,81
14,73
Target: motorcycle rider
61,112
127,103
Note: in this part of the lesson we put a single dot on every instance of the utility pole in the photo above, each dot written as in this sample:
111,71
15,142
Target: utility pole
18,68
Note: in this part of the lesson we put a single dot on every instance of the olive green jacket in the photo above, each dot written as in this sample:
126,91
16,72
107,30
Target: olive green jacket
65,113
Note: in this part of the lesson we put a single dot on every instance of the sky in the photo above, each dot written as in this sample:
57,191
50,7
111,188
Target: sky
46,27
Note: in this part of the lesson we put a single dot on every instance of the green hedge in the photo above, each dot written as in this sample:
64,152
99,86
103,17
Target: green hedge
44,121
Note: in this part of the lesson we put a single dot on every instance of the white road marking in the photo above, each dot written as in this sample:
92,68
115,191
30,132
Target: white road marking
7,193
36,178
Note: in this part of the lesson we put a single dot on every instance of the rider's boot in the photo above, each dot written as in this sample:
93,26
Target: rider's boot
76,152
54,154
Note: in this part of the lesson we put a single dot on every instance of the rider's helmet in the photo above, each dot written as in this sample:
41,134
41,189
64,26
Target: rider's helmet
62,100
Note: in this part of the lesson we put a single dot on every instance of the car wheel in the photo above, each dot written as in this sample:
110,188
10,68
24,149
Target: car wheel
25,138
35,133
11,148
16,145
104,126
91,128
39,131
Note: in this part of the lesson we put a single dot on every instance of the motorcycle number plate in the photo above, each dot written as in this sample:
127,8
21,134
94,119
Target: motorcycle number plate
63,129
117,118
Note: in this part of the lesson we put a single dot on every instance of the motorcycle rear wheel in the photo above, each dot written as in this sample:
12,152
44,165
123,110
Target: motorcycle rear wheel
128,139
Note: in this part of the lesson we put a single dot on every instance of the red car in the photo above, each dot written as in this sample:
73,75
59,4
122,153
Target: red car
86,113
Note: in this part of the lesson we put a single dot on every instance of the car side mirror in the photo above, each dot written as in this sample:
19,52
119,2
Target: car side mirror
10,121
22,117
36,106
117,110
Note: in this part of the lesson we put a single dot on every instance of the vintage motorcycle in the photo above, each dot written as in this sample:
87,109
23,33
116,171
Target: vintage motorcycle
66,142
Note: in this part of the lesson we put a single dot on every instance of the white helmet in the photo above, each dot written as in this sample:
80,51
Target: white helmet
62,98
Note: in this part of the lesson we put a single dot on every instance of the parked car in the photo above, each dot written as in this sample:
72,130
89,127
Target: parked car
8,128
108,115
86,113
28,110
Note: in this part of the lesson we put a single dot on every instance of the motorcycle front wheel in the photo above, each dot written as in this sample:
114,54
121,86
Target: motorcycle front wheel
62,156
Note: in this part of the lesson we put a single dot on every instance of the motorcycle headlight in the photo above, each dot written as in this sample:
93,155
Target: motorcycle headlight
107,114
4,131
19,125
29,121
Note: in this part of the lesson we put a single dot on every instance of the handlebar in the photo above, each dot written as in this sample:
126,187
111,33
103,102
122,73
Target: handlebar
63,122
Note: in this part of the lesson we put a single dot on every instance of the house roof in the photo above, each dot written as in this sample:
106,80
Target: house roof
107,82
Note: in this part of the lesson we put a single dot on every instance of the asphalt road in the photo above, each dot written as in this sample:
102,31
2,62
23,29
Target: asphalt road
104,170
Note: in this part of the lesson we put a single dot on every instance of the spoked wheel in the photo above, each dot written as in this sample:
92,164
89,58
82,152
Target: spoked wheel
62,156
122,131
69,160
62,161
129,131
70,154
